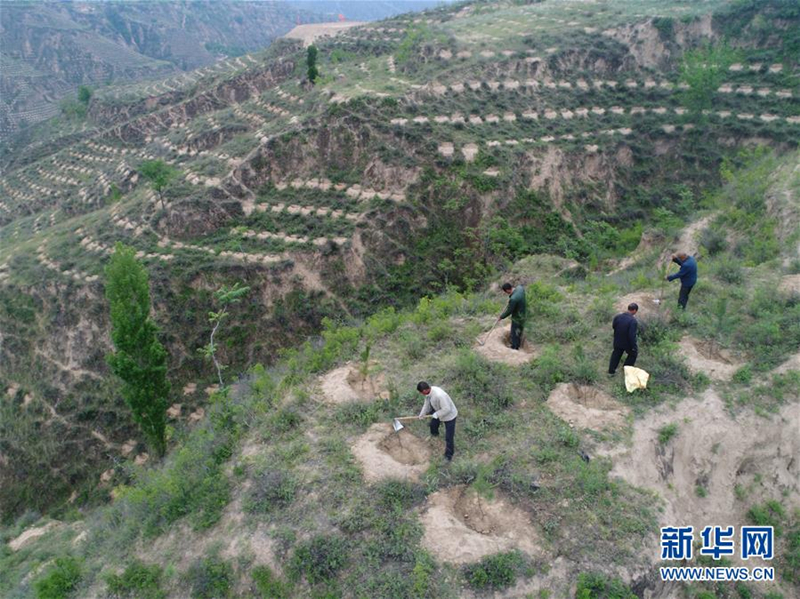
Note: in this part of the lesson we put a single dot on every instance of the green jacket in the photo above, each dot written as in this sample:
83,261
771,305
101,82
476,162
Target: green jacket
516,307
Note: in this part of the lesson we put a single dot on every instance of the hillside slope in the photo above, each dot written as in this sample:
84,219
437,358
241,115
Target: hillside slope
293,484
435,150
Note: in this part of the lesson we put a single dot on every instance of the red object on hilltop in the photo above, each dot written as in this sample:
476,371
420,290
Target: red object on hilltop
341,17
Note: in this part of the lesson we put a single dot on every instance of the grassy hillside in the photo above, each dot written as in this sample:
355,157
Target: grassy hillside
435,152
293,484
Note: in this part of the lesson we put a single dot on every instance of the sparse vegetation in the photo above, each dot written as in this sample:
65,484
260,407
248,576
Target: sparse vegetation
496,571
598,586
138,581
59,580
210,578
667,432
319,560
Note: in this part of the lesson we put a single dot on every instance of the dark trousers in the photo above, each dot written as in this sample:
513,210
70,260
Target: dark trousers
616,356
449,435
683,296
516,335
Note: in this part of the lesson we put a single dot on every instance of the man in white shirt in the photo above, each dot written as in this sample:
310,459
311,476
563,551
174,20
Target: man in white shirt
444,410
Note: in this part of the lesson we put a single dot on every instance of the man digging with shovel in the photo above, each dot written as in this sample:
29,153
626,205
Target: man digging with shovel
516,309
444,410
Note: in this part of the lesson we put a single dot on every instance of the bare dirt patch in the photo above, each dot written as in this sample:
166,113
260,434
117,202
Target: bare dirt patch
790,284
716,452
384,453
716,363
497,347
31,534
646,302
347,384
462,527
586,407
310,32
792,363
689,239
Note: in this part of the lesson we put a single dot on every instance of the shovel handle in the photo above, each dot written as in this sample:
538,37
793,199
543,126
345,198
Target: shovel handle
412,417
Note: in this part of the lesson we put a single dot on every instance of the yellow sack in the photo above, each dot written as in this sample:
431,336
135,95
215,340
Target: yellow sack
635,378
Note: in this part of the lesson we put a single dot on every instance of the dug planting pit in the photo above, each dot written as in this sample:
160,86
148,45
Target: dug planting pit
463,527
348,384
649,303
584,406
384,453
497,348
709,359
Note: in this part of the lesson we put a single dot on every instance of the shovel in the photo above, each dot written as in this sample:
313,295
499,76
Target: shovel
486,337
397,426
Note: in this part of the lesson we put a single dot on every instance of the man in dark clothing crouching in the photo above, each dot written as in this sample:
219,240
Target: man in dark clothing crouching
624,326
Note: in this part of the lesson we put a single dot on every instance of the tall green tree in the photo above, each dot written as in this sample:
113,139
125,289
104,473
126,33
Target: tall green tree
311,61
84,94
140,359
159,174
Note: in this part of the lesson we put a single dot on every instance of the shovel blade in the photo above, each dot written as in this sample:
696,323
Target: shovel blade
396,425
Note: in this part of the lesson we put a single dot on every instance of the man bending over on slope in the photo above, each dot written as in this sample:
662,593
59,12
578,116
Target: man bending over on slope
516,308
444,410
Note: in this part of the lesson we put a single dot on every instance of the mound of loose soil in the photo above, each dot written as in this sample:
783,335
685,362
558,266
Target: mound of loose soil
716,452
497,347
790,284
384,453
31,534
346,384
647,301
708,358
462,527
792,363
586,407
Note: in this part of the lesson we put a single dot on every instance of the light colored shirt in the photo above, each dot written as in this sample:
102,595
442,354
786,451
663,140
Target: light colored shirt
440,404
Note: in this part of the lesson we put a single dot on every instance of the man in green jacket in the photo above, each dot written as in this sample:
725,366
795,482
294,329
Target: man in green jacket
516,310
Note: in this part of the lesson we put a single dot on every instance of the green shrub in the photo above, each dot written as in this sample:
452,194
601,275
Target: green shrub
191,484
284,420
138,581
549,369
399,495
770,513
667,432
597,586
497,571
424,568
792,556
713,240
584,370
270,489
480,381
60,580
744,375
319,559
653,329
268,586
210,578
729,271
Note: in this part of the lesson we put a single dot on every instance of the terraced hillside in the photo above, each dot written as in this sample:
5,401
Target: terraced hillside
433,150
48,49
